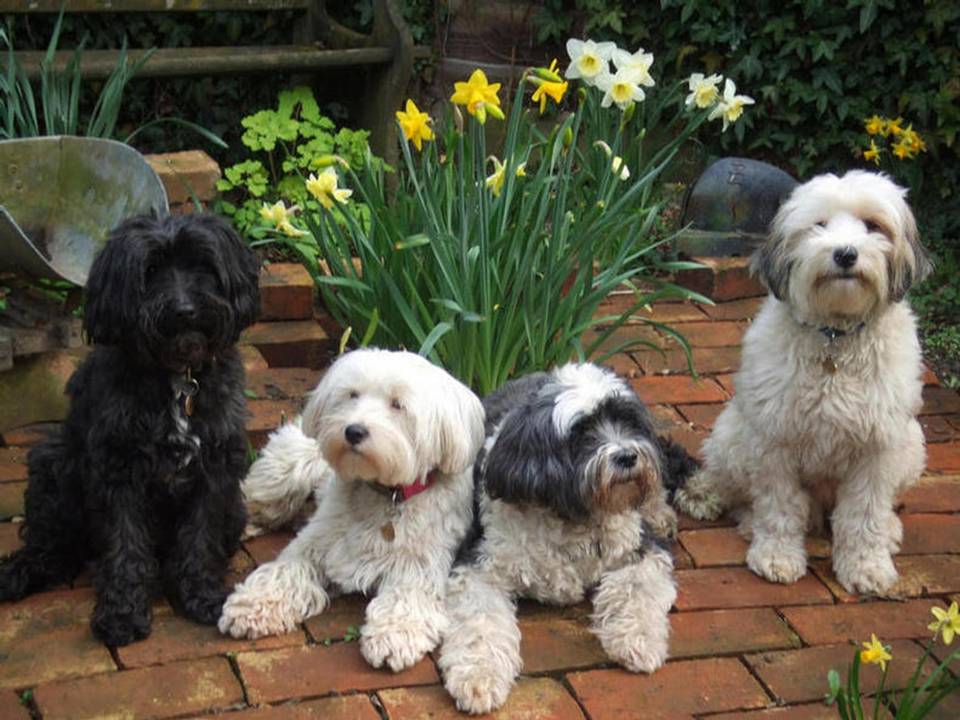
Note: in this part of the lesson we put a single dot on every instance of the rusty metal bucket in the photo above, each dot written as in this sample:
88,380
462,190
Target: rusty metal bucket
60,197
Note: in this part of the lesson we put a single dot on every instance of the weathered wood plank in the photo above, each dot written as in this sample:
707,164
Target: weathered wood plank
82,6
181,62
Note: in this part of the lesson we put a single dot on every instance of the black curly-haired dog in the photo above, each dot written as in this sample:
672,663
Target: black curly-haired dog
144,477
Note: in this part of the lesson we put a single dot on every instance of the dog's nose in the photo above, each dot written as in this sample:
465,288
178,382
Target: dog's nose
845,257
625,459
355,434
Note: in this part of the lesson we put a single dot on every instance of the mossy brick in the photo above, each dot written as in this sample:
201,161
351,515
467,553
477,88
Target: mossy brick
547,645
185,175
730,587
932,493
721,279
347,707
831,624
706,633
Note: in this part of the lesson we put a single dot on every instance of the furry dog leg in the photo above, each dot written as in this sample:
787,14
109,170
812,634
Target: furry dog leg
865,528
480,657
630,611
405,621
281,480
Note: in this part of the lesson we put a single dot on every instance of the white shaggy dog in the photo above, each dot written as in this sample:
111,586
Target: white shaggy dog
570,471
400,435
828,389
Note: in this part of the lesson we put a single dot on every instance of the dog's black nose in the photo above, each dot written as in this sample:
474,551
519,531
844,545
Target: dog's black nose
845,257
625,459
186,311
355,434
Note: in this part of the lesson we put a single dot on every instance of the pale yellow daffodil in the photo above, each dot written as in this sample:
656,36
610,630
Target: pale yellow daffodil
704,90
324,188
638,63
874,653
947,622
495,181
279,214
415,124
620,88
730,107
589,60
478,96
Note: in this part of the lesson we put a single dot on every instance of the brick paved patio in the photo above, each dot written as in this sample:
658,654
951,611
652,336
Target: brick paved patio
741,647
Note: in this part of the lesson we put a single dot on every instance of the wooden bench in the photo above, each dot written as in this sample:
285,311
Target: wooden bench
319,43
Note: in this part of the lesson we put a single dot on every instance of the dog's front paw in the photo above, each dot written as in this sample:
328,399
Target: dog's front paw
641,650
118,629
398,648
699,503
777,561
478,689
868,574
663,522
207,608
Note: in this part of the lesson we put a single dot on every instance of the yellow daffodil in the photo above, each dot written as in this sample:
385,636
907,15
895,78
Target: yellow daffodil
324,188
703,90
873,154
730,107
875,125
947,622
478,96
279,214
589,60
902,150
875,653
522,170
638,63
895,127
912,139
495,181
415,124
555,90
620,88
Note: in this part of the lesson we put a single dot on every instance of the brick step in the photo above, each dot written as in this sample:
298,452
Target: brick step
286,292
292,343
281,383
722,279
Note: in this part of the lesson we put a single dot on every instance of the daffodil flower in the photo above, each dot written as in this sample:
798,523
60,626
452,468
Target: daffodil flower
638,63
549,74
545,89
911,138
324,188
875,653
703,90
588,60
875,125
903,150
478,96
947,622
620,88
730,107
522,170
415,124
873,154
279,214
617,165
895,126
495,181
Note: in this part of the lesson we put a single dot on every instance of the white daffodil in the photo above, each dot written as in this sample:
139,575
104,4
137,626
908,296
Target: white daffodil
703,90
638,62
589,60
620,88
620,168
731,105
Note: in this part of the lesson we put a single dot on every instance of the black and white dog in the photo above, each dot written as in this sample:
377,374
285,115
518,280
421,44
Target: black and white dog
572,491
144,477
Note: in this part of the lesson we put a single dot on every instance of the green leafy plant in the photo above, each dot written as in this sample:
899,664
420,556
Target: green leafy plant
287,144
352,634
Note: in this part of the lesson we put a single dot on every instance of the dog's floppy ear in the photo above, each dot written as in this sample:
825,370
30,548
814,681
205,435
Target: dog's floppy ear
458,424
237,265
116,282
530,462
910,263
770,263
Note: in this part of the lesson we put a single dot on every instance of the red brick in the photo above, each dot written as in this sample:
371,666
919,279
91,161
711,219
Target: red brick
676,390
944,457
157,692
631,336
251,358
13,464
282,383
826,625
712,334
553,644
275,675
676,690
681,558
940,401
801,675
175,638
266,416
685,522
623,365
265,548
669,313
11,708
347,707
11,499
815,711
294,343
702,416
666,418
938,428
286,292
722,279
187,174
726,382
241,565
531,609
332,624
725,546
929,377
47,637
926,533
29,435
725,632
738,587
690,440
706,361
9,538
933,494
744,309
924,575
530,699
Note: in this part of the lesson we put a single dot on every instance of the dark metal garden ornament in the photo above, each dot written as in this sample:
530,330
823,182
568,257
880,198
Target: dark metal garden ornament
60,196
730,207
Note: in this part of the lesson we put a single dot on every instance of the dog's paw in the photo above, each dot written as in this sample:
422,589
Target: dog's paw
205,609
398,649
700,504
119,629
663,521
478,689
246,615
873,574
780,562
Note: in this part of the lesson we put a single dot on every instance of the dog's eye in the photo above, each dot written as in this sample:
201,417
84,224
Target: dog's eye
873,227
821,223
396,404
354,394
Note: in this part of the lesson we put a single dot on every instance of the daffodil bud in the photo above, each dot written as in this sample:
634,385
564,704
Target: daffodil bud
582,95
457,119
547,75
568,137
325,161
495,111
628,113
603,146
481,114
